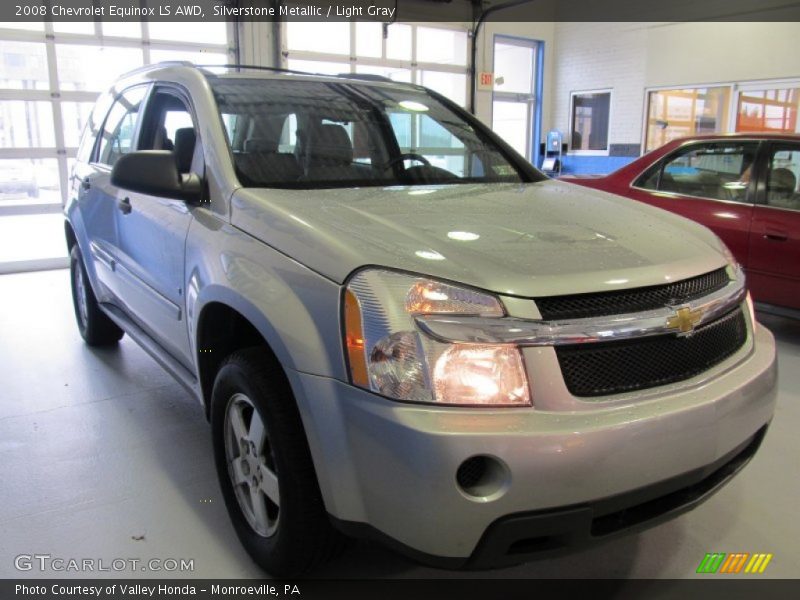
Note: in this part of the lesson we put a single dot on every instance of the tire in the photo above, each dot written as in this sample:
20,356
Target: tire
95,327
288,532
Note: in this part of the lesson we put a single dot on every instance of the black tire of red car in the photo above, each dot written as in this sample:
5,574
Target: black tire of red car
95,327
303,537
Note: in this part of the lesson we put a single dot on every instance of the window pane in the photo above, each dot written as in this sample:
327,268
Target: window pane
393,73
679,113
771,111
398,42
451,85
26,124
27,25
198,58
513,68
85,27
784,175
32,237
120,126
330,38
74,115
369,39
318,66
122,29
94,68
445,46
205,33
24,66
29,181
719,171
510,122
590,113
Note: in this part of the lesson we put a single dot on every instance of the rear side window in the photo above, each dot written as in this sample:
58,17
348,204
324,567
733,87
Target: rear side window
120,126
715,170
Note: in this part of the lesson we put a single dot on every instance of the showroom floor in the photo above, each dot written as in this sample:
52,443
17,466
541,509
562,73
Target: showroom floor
103,456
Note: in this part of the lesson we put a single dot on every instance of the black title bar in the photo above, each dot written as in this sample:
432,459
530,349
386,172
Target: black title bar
388,11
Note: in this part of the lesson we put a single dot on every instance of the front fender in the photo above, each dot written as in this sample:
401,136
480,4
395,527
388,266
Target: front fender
295,309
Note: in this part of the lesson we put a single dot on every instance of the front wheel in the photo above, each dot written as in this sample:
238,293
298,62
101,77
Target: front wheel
95,327
265,468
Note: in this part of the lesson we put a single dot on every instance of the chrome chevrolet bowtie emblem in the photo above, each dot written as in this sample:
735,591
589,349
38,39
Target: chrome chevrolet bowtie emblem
685,319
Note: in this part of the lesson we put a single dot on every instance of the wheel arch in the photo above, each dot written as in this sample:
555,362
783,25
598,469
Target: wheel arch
227,322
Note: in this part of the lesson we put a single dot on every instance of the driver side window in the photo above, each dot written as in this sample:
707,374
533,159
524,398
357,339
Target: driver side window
715,170
120,126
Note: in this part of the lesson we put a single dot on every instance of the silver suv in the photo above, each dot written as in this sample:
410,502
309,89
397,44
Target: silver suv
399,329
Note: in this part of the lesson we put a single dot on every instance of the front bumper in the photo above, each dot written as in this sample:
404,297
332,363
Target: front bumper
388,469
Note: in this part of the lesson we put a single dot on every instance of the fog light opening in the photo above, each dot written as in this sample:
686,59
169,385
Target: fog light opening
483,478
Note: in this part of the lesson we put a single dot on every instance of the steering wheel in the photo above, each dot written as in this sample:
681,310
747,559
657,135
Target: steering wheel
407,156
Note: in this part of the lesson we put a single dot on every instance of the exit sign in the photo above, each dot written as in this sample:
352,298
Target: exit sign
485,81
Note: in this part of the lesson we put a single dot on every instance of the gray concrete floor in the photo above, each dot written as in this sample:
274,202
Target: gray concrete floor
100,448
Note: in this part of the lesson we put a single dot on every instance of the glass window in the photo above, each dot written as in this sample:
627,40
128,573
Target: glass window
196,57
716,170
318,66
120,126
82,27
74,115
94,68
24,66
513,66
26,25
122,29
510,122
327,37
446,46
393,73
451,85
32,237
25,124
369,39
769,111
342,138
29,180
683,112
590,115
782,181
398,41
214,33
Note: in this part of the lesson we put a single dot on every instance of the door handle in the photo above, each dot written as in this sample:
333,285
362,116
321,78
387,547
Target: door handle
125,205
776,236
86,184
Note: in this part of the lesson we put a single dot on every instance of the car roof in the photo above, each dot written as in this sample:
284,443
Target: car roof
167,69
737,135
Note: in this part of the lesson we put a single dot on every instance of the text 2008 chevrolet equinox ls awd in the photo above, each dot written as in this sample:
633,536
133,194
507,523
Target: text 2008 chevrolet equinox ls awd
401,330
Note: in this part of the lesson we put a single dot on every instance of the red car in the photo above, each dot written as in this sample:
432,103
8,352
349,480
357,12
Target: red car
742,186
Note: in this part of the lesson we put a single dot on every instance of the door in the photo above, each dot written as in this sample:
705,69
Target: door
711,183
514,93
774,267
97,197
152,230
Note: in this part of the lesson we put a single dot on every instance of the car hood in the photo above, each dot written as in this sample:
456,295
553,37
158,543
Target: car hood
539,239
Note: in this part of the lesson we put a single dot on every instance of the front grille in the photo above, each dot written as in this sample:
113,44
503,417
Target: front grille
603,368
599,304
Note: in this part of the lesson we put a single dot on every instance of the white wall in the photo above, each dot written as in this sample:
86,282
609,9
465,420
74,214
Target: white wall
629,57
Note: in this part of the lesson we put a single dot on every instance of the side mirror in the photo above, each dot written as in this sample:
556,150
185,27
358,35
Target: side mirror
155,172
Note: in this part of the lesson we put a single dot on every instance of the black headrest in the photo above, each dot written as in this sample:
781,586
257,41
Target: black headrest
185,139
330,143
260,144
782,180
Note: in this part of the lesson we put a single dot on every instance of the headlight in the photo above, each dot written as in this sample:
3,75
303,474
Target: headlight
389,355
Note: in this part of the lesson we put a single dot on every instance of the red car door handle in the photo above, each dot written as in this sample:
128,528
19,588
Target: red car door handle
775,235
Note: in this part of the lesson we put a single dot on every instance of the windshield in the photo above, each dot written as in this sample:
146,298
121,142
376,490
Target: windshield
316,134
